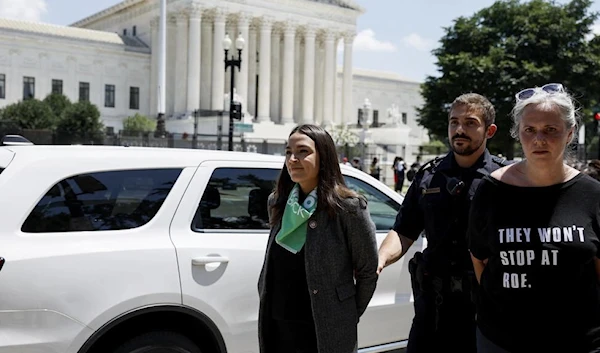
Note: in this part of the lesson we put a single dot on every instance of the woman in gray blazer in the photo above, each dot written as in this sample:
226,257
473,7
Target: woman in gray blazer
319,272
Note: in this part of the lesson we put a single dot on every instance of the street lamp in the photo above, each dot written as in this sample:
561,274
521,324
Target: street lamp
365,123
235,108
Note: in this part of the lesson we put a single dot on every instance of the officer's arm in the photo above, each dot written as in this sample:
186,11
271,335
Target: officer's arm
394,246
477,236
407,228
478,266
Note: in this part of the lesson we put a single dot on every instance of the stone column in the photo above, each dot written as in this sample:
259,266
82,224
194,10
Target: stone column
170,91
218,82
252,71
287,86
298,76
153,68
308,96
337,115
276,64
181,80
206,64
347,109
242,76
194,59
264,78
328,86
319,80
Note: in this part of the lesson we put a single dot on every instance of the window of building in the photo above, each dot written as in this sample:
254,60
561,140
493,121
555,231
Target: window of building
134,98
236,198
404,118
57,86
2,86
382,208
134,31
84,91
112,200
375,122
28,87
109,96
125,31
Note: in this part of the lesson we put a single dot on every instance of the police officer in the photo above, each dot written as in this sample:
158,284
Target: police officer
438,202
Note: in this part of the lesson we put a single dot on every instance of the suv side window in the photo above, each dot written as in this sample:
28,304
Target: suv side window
112,200
236,198
382,208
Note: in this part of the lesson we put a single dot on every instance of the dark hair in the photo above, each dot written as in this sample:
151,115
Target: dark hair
331,189
479,103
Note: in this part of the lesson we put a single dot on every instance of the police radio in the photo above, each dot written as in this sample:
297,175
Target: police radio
454,186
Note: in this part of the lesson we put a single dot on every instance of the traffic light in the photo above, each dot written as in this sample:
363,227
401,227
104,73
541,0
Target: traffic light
597,116
236,110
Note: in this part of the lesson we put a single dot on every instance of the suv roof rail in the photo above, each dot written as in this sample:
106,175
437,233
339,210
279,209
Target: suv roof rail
15,140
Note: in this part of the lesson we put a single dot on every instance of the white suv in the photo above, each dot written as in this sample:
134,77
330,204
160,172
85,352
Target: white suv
119,249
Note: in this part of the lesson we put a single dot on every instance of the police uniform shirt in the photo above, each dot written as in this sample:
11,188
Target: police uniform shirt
429,206
539,291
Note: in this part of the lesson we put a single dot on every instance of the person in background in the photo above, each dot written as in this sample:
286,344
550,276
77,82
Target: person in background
320,266
356,163
345,161
374,168
533,235
399,168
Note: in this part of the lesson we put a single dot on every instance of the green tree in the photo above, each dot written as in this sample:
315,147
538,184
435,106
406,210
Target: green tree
507,47
435,147
80,123
29,114
58,103
138,123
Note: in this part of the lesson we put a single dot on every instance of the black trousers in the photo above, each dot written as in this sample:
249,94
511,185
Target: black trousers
451,329
289,336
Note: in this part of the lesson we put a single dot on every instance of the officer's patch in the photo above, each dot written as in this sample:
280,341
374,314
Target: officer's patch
431,191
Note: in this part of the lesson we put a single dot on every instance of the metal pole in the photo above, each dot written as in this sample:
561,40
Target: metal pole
195,137
363,138
220,132
232,67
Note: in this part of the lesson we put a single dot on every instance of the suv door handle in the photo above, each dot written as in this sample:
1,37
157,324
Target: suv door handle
204,260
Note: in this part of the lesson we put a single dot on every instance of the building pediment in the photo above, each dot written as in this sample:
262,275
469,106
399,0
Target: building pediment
348,4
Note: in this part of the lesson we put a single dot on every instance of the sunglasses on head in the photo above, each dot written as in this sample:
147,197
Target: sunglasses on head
549,88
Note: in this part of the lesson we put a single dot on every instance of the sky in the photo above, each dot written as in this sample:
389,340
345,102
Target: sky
392,35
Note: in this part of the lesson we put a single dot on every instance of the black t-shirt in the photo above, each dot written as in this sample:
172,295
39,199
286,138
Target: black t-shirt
539,291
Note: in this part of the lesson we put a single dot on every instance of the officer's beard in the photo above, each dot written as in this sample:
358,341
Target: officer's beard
468,147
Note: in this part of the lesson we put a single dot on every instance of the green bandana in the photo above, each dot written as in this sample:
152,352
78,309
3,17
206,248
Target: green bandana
292,235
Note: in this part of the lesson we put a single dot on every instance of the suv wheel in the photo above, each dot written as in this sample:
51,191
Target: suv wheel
159,342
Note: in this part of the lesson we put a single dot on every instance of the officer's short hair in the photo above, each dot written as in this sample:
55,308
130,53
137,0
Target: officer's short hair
478,103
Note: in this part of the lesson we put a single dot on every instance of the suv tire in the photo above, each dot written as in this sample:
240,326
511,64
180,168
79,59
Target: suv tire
159,342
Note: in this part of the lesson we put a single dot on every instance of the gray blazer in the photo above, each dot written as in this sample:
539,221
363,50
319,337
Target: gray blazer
341,264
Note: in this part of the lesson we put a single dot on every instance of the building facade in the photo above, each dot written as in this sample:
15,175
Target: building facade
289,72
